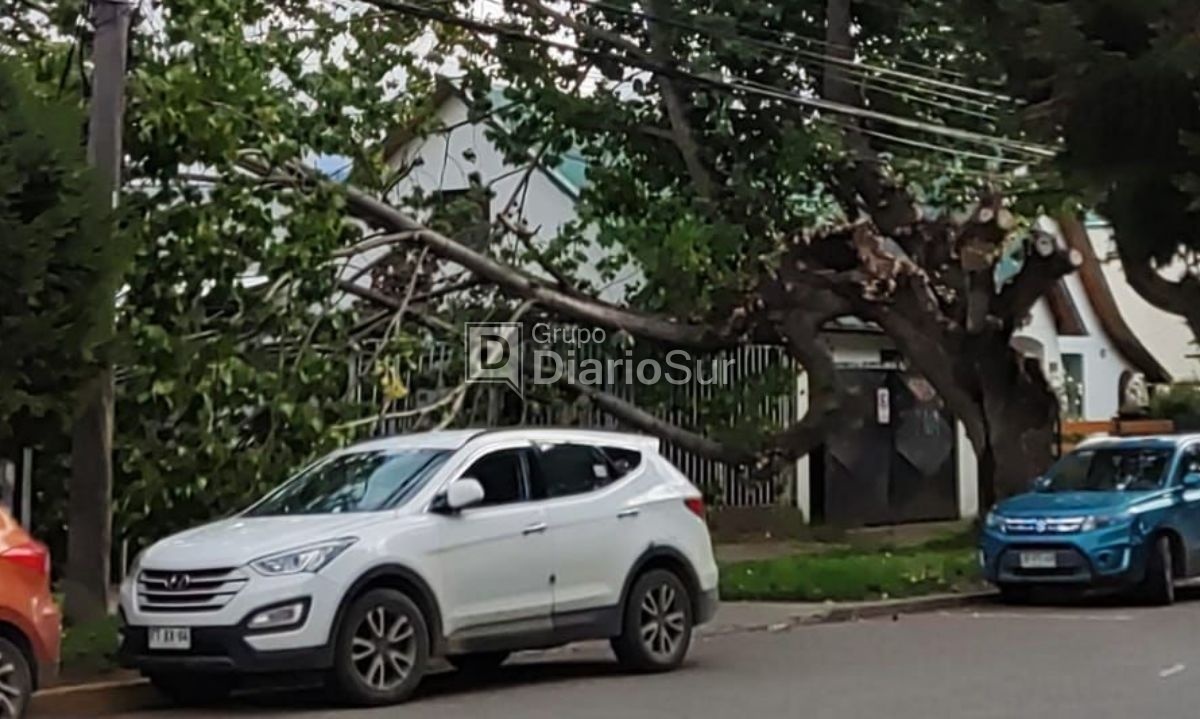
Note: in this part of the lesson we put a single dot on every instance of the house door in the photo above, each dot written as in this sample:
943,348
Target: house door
897,463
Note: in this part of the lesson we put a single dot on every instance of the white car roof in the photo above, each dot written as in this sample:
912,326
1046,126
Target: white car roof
457,438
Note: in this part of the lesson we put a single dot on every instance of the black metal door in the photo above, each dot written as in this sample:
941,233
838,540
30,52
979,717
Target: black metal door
897,463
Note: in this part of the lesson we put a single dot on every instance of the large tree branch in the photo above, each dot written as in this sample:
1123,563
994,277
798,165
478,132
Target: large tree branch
829,402
644,421
1179,297
734,330
1044,267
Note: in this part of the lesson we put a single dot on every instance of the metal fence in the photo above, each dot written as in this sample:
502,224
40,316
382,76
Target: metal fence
438,369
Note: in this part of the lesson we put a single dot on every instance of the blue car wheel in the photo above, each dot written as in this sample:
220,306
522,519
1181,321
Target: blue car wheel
1159,585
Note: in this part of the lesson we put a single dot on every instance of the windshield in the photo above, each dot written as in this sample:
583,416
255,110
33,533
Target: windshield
355,482
1109,469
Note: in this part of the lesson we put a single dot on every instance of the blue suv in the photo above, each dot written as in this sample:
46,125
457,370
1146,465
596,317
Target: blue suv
1120,513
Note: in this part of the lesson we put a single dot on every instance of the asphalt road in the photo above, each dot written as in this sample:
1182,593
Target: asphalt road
1090,660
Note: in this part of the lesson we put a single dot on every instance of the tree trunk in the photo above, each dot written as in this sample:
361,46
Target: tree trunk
1020,412
89,516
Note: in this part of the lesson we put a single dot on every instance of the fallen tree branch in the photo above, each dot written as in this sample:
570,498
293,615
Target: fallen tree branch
735,330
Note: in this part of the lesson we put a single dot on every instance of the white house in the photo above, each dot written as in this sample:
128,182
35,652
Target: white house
1080,333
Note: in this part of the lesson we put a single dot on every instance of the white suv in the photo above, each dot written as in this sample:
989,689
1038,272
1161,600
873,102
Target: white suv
462,544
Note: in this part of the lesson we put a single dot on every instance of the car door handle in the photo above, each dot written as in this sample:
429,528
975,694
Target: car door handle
628,513
534,529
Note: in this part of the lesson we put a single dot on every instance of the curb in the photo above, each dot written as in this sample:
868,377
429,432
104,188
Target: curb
130,695
89,700
856,611
894,608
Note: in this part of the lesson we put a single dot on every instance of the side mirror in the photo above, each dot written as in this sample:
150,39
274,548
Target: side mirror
1191,480
1041,484
462,493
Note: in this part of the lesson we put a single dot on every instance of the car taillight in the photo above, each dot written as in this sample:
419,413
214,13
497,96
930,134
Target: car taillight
696,505
31,555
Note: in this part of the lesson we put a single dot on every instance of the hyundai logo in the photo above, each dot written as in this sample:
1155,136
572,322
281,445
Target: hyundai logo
178,582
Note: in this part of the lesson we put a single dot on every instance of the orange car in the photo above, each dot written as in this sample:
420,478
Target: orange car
30,625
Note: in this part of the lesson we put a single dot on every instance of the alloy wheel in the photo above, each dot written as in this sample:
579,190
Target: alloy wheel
384,648
663,622
12,695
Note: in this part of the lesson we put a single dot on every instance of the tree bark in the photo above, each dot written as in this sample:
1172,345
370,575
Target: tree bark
89,505
1020,411
89,502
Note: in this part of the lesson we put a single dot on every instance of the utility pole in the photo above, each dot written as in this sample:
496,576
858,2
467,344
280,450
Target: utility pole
89,504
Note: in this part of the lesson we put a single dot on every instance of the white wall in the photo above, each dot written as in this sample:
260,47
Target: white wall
1164,334
968,475
547,205
1103,364
856,349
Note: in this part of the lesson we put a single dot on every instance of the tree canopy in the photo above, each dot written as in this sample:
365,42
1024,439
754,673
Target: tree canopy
1119,82
60,266
768,168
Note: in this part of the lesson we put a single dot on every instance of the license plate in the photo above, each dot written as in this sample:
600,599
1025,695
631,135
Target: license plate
1039,560
170,638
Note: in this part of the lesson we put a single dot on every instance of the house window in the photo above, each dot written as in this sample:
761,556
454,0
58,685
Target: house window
1072,399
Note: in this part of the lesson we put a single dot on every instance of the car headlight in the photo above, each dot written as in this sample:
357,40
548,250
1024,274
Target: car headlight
311,558
994,521
1102,521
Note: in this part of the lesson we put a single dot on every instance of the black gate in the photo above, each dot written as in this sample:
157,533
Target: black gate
897,465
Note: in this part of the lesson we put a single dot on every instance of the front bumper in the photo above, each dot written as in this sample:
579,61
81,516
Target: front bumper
219,650
1107,557
258,593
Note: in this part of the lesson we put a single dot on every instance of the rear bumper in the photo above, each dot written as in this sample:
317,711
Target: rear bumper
706,606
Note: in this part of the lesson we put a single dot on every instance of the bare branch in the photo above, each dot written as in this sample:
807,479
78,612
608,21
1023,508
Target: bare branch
373,243
644,421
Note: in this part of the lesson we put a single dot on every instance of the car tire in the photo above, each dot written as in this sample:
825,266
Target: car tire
1158,588
477,663
381,650
190,690
656,625
16,681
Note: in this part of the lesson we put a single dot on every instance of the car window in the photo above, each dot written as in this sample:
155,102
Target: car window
353,482
1188,462
567,469
1107,469
623,460
502,476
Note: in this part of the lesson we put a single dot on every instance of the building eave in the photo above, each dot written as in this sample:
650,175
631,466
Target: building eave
1100,297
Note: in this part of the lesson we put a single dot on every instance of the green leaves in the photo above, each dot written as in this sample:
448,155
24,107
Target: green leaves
61,264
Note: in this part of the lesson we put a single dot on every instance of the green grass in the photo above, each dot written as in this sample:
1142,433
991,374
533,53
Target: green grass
850,575
90,648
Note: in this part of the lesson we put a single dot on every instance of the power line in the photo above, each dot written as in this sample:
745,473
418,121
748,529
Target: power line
822,57
721,81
